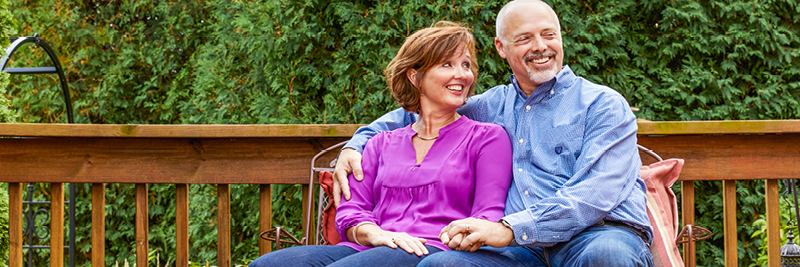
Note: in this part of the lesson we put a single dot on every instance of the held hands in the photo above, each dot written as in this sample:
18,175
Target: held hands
470,234
349,162
375,236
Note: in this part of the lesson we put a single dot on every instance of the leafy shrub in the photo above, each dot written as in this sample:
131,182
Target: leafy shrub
7,29
320,61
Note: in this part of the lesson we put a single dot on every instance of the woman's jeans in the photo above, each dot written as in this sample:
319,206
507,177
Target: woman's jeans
595,246
340,256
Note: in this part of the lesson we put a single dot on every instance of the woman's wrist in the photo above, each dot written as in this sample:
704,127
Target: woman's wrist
355,232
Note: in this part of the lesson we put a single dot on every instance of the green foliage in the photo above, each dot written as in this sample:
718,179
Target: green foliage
7,29
320,61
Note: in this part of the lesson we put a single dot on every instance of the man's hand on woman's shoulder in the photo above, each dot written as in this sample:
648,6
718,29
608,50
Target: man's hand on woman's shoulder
349,162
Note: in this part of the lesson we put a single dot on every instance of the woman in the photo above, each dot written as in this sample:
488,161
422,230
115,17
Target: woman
419,178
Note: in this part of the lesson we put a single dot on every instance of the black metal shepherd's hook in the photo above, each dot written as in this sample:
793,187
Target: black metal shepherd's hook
17,42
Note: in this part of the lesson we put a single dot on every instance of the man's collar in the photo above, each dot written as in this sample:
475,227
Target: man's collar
564,75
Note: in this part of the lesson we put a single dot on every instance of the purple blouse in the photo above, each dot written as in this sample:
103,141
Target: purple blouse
420,199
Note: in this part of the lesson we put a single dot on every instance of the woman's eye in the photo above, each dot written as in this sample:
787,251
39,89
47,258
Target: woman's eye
446,65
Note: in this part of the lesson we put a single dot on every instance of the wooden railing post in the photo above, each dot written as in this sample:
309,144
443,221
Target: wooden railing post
729,222
182,225
98,224
15,224
687,212
264,217
307,228
224,225
773,223
142,225
57,225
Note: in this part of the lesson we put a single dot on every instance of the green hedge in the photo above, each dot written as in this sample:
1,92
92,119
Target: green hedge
7,28
179,61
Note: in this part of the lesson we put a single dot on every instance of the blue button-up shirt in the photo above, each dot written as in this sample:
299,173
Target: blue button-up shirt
575,156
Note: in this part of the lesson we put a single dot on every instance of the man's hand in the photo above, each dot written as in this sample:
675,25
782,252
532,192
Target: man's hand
470,233
349,162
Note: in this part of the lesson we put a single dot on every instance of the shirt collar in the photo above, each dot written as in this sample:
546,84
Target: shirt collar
563,77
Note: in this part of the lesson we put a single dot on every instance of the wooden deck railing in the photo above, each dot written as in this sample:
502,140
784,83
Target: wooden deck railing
280,154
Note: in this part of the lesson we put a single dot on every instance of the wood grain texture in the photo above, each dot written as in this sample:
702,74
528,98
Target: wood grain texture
773,223
264,217
15,225
307,227
732,157
182,225
346,130
729,223
718,127
142,225
57,225
223,225
177,131
687,214
98,225
152,160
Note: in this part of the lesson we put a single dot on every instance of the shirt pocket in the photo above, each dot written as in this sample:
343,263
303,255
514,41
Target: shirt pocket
558,149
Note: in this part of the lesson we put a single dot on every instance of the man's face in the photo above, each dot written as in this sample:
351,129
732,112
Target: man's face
532,44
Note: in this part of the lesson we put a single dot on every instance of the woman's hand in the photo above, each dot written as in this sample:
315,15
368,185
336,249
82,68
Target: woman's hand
376,236
471,233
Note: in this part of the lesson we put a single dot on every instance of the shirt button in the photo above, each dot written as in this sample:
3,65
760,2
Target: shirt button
526,192
521,141
528,107
519,170
524,236
551,92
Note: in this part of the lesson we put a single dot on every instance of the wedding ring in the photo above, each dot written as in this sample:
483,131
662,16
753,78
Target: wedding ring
466,226
394,239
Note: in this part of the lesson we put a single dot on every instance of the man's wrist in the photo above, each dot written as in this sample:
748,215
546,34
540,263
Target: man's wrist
513,242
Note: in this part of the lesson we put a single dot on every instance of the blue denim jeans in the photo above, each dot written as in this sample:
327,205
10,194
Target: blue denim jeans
340,256
595,246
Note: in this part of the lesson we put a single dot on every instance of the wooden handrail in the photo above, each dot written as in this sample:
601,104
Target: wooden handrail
279,154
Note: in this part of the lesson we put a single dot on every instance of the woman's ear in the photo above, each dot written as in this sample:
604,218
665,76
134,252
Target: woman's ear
412,76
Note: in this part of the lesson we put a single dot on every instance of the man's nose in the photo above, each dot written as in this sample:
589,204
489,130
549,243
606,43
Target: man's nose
538,44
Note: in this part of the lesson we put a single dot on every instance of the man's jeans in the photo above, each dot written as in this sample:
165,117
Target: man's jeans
595,246
340,256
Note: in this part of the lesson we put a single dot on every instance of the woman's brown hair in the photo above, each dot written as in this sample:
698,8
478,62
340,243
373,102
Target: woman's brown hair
422,50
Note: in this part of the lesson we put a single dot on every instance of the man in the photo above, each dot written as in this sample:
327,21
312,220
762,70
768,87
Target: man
576,198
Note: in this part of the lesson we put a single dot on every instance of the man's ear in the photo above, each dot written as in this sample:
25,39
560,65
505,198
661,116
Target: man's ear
499,46
412,76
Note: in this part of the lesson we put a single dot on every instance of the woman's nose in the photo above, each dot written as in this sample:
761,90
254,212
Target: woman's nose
460,72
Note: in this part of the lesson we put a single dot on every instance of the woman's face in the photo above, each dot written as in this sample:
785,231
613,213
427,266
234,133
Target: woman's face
445,86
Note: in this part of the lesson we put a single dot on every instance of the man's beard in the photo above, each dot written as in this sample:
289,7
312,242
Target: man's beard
540,75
